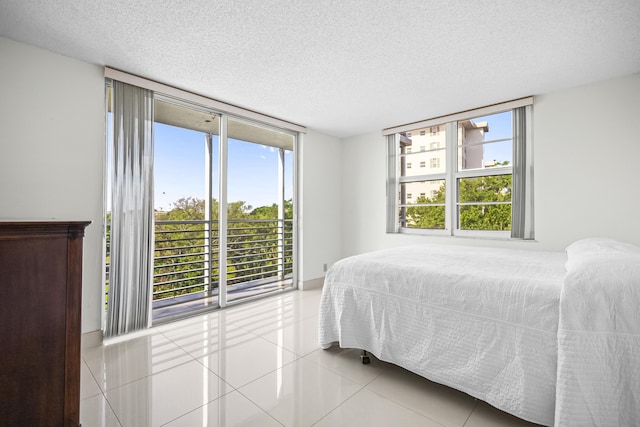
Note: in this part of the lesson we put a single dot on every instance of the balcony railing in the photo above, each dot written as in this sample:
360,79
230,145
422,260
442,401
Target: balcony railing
186,262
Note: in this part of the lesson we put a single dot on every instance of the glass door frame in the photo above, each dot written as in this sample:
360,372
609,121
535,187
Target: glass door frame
222,192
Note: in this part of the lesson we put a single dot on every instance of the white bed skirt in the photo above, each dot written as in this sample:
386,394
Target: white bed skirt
483,321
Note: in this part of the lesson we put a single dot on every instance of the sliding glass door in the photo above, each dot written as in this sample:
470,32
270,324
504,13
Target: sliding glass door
260,210
186,261
224,205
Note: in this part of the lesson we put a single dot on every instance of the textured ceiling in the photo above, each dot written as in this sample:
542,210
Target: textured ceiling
344,67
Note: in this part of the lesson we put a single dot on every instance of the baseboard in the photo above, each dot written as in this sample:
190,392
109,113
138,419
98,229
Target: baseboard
91,339
308,285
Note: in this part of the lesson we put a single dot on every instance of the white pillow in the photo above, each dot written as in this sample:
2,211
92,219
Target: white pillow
598,250
600,245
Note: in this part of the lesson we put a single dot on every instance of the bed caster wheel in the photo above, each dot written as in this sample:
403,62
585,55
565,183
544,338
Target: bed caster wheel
364,358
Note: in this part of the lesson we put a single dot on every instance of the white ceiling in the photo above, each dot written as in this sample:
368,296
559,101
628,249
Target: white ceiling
344,67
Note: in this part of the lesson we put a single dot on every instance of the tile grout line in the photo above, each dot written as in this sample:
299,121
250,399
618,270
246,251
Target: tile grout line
341,403
299,319
471,413
102,393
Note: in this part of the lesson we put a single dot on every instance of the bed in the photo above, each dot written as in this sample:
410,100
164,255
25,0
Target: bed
550,337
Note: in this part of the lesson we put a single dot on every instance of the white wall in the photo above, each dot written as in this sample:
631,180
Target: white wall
320,216
587,157
52,157
51,150
587,173
52,137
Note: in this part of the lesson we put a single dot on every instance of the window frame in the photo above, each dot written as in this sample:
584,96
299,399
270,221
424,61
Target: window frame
452,174
193,102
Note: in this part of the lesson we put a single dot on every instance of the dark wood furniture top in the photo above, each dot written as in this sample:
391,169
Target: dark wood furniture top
40,322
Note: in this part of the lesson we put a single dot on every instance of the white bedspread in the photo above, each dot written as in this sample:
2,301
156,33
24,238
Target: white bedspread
599,336
481,320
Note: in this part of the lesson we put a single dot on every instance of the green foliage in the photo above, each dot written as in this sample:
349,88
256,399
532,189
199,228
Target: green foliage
257,243
477,215
480,190
269,212
432,217
185,209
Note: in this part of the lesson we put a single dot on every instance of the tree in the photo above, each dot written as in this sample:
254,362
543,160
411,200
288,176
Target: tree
477,214
185,208
432,217
481,216
271,212
181,244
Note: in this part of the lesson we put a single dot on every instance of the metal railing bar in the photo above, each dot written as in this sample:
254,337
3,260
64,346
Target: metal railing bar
256,221
251,255
268,274
179,247
176,273
255,262
255,241
182,221
252,272
214,221
180,255
256,251
177,290
270,265
189,239
168,282
253,234
179,264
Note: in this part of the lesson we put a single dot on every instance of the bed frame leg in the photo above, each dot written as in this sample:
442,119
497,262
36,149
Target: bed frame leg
364,357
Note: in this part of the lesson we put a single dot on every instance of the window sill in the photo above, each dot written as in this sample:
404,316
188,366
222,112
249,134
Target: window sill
445,234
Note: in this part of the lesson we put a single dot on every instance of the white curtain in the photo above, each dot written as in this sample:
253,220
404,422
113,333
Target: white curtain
392,192
522,196
131,269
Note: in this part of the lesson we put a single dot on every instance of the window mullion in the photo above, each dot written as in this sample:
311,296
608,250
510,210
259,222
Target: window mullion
425,177
474,173
222,214
452,166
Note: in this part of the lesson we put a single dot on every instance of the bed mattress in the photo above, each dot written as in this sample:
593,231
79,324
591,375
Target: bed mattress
481,320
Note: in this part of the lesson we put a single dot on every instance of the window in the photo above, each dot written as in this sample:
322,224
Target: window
478,182
423,148
409,165
422,133
223,212
434,130
423,164
408,148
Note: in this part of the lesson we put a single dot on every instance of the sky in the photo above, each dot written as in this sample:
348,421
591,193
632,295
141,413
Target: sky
500,126
179,169
179,165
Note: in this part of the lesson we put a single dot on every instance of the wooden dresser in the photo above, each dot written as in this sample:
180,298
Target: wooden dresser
40,322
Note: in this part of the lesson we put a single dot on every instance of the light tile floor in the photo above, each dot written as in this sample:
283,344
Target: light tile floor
259,364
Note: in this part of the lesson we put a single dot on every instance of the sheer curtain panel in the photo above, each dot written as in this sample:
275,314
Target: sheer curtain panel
521,204
131,273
